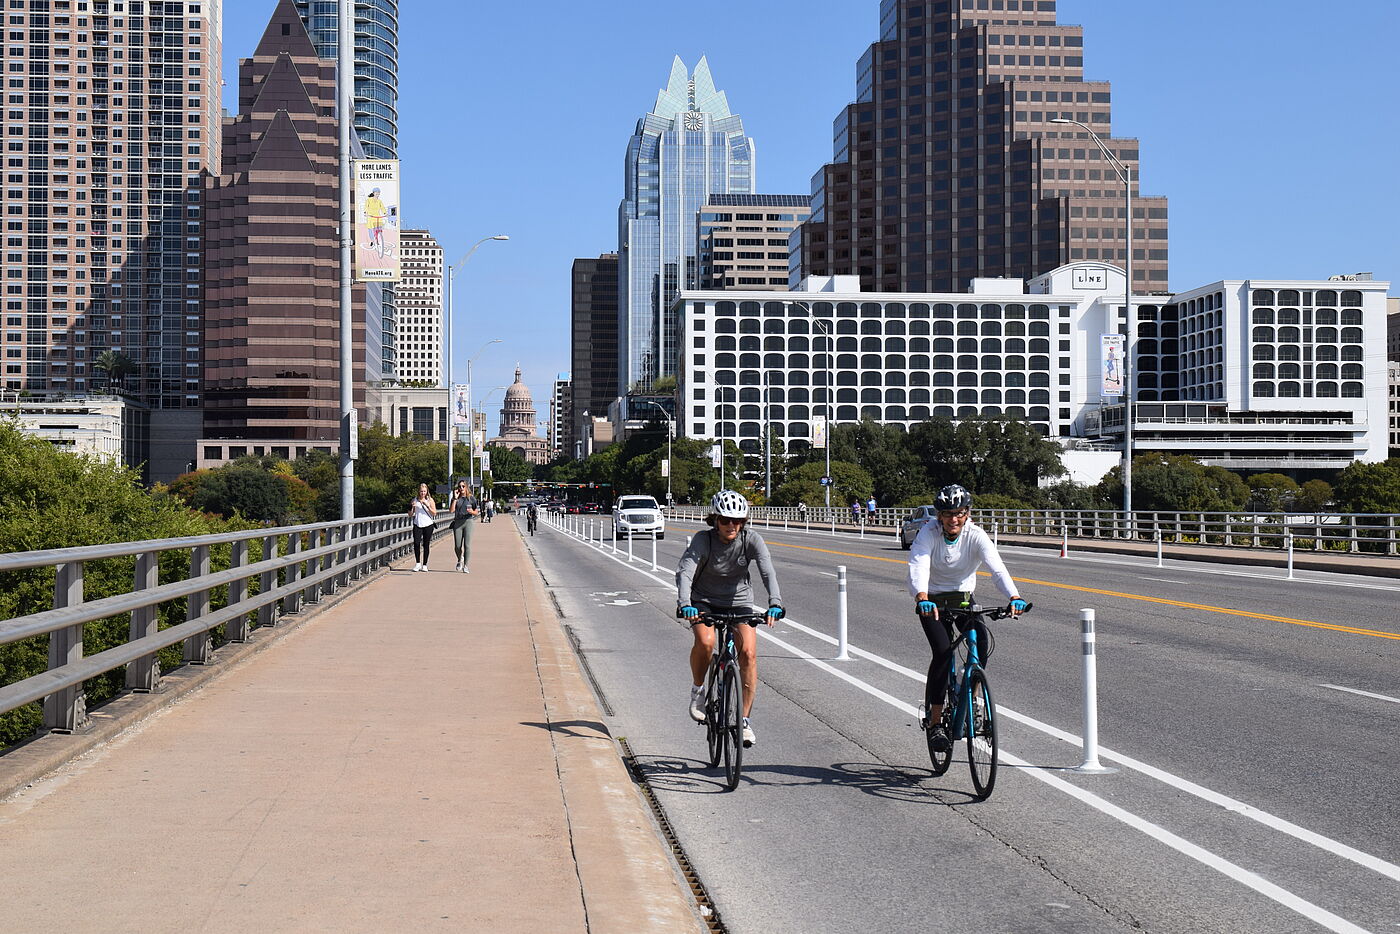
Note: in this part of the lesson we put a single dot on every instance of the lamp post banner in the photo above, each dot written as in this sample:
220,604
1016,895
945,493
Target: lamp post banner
461,407
819,431
478,442
377,220
665,466
1113,348
716,456
485,461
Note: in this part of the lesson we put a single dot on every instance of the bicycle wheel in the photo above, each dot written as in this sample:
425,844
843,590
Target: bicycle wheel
941,760
714,722
733,718
982,736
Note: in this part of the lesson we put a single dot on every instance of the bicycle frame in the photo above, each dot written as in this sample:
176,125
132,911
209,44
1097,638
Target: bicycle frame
959,688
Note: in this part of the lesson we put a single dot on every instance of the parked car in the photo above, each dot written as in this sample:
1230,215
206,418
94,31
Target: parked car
638,514
916,520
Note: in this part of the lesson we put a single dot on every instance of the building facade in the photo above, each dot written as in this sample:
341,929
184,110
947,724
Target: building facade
594,348
113,428
517,426
106,168
690,146
742,240
376,66
1248,374
422,412
561,417
272,332
418,299
948,168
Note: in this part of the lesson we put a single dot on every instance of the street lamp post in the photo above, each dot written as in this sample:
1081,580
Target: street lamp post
345,104
471,428
830,387
1125,175
447,344
670,436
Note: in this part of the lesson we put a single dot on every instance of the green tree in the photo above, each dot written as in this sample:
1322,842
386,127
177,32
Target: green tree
115,367
1370,487
1314,496
883,452
1175,483
803,484
1272,492
246,491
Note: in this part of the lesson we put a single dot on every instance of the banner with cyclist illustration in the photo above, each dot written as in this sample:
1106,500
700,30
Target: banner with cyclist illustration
461,404
1113,347
376,185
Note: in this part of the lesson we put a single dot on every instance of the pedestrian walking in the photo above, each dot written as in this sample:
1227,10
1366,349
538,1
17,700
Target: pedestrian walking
490,510
422,512
855,511
801,511
870,505
464,509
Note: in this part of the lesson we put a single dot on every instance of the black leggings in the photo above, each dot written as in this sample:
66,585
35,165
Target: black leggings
422,538
939,633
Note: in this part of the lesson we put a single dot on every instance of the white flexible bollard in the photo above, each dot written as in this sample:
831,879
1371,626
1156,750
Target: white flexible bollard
842,650
630,536
1064,541
653,552
1159,548
1090,764
996,533
1289,539
614,536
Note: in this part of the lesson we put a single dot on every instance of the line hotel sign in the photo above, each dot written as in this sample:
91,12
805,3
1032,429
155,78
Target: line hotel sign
376,220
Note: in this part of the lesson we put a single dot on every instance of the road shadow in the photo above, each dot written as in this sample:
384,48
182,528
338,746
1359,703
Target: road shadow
589,729
694,776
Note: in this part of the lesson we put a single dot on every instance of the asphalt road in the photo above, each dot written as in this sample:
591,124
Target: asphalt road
1253,724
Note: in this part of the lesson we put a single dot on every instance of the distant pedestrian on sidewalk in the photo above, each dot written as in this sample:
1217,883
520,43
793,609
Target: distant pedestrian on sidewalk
870,505
855,511
423,513
464,509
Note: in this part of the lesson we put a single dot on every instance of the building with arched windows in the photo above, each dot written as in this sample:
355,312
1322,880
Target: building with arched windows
1248,374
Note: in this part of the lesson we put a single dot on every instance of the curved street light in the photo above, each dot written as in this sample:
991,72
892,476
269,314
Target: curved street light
1125,175
447,344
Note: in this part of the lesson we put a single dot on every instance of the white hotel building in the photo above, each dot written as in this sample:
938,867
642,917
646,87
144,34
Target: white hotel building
1253,375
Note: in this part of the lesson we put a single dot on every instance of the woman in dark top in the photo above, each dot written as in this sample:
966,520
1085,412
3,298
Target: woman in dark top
464,510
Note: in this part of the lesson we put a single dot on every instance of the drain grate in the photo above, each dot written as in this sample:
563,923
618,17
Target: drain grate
708,913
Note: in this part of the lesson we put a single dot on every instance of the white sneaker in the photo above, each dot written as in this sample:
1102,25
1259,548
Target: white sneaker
457,566
466,570
697,703
418,567
749,738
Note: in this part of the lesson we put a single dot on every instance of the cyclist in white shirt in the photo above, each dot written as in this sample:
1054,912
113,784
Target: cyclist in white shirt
943,564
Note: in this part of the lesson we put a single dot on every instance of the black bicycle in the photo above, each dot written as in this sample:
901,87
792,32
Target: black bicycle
969,712
724,695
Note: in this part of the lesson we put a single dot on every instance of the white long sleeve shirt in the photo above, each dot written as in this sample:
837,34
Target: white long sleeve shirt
937,566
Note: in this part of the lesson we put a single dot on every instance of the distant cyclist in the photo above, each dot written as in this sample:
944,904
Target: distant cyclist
713,576
943,563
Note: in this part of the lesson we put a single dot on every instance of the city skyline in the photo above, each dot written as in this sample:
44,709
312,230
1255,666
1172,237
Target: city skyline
1217,112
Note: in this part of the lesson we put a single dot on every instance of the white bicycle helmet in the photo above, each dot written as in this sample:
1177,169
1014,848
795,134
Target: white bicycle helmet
729,504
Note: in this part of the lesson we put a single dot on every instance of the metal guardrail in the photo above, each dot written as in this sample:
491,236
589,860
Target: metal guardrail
300,565
1352,533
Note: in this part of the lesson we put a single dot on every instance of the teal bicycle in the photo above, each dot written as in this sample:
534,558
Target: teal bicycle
969,712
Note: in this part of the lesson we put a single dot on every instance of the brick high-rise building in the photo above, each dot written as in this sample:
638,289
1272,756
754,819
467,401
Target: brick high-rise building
272,271
594,353
947,167
112,124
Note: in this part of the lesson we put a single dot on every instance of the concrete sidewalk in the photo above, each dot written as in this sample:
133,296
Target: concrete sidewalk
423,755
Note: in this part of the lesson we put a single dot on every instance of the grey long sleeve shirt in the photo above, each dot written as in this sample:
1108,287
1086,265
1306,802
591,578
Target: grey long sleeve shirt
718,575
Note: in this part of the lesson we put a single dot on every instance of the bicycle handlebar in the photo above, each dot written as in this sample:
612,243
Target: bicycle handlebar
995,612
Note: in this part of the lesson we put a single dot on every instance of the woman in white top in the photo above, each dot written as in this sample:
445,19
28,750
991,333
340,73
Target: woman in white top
943,563
423,512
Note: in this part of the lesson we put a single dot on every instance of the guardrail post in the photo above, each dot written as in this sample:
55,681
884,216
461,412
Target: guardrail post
842,649
143,675
65,710
313,591
1091,697
236,629
199,648
292,601
267,582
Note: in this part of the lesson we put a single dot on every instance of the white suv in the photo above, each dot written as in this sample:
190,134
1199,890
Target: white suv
637,514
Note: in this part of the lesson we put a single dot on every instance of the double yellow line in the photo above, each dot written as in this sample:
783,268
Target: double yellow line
1312,624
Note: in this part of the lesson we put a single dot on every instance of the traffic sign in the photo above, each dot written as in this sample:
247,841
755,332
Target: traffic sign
826,481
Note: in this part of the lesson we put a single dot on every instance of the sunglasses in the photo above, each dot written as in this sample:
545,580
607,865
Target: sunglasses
725,520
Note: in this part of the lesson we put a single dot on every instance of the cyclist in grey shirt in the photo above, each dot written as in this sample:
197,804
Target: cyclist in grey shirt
714,576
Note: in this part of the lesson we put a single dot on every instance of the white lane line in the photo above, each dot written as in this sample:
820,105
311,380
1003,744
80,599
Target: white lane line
1384,697
826,573
1165,580
1233,871
1233,805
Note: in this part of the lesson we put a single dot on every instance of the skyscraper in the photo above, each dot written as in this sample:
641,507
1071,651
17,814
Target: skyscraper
272,337
419,301
593,339
742,240
376,66
947,167
688,147
113,122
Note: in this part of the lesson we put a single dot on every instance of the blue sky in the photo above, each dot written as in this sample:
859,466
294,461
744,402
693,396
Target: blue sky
1270,124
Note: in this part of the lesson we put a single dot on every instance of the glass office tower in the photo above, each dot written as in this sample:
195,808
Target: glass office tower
687,148
376,66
